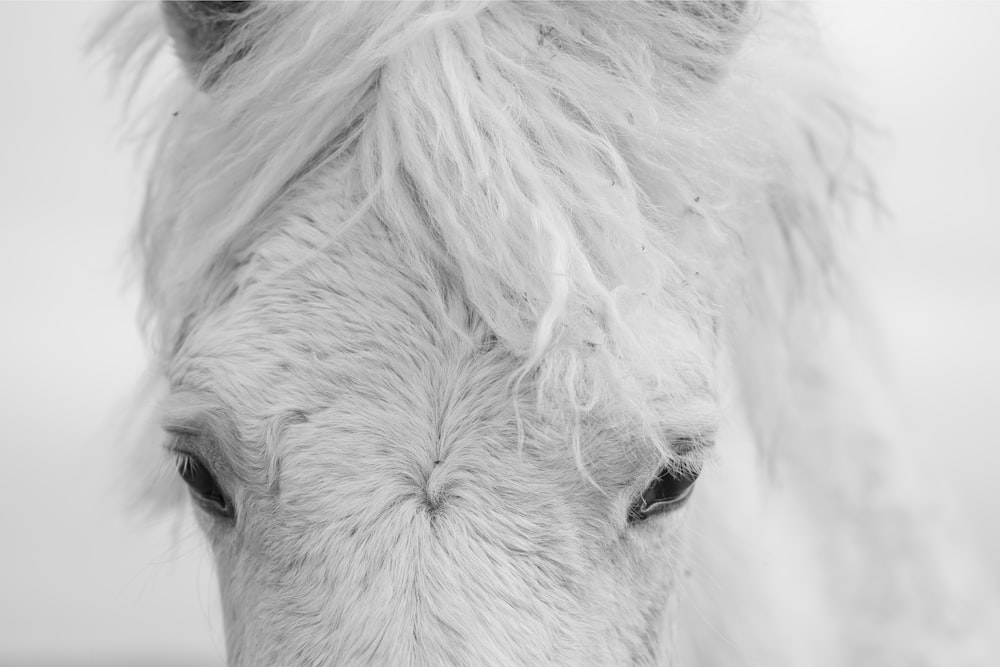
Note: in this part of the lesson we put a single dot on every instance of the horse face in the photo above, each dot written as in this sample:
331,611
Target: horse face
373,500
378,507
374,457
441,291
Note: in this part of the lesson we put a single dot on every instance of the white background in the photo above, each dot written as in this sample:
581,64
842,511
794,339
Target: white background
85,581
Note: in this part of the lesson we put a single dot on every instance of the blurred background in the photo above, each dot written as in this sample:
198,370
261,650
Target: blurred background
86,581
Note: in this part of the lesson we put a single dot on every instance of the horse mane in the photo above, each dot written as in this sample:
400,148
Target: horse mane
620,191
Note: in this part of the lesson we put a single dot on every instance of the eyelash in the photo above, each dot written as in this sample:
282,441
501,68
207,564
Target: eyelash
203,486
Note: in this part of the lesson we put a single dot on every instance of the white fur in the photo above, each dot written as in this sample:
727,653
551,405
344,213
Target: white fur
445,283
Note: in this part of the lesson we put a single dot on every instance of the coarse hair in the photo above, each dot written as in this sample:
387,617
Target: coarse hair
620,191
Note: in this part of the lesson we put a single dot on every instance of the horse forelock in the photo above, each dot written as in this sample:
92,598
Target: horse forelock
608,186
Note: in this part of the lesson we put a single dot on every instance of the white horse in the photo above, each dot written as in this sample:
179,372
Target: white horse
453,303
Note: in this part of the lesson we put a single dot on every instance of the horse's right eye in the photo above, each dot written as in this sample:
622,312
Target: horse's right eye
667,492
203,486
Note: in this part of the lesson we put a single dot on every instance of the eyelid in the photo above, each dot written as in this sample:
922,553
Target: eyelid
193,415
186,425
194,429
182,431
182,440
693,444
193,441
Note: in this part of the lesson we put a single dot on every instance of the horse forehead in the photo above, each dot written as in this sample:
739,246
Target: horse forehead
305,311
371,351
350,329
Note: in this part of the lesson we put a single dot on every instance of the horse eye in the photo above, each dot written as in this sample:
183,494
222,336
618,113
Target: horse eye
665,493
204,488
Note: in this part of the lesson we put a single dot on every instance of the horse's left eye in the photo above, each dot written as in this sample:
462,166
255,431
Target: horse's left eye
203,486
665,493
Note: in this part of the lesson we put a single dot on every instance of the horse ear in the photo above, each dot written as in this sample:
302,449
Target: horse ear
202,34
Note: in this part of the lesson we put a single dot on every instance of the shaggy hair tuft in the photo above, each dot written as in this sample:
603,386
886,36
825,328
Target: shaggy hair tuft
610,186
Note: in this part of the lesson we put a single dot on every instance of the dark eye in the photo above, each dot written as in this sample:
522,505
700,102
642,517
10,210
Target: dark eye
666,492
204,488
